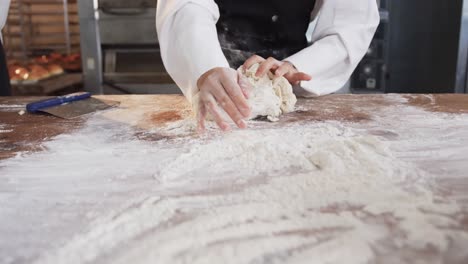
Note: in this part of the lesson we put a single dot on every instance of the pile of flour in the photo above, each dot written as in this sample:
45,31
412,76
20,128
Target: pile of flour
317,192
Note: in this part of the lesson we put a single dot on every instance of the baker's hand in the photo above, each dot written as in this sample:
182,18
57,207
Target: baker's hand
223,88
279,68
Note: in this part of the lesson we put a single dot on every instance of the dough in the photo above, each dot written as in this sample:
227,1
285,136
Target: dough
270,96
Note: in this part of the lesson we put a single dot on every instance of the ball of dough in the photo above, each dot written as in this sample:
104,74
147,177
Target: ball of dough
269,96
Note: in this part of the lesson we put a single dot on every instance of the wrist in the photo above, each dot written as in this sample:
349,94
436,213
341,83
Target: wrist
206,74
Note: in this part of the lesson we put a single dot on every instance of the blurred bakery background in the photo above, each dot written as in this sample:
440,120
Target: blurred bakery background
44,41
42,45
110,47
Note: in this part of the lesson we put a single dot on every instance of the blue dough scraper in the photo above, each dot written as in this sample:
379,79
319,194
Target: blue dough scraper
70,106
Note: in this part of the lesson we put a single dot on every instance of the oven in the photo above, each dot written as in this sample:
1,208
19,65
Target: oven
417,54
120,48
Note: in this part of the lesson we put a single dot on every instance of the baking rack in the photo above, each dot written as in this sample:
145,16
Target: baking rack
38,27
41,26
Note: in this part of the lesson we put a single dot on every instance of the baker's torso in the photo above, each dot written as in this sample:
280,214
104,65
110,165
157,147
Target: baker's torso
273,28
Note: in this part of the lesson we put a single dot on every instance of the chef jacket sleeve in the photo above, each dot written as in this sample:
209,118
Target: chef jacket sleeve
188,40
4,6
340,40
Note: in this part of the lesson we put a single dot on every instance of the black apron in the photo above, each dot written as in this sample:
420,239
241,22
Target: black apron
4,78
269,28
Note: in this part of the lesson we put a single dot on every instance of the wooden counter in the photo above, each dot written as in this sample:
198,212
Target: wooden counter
49,222
27,131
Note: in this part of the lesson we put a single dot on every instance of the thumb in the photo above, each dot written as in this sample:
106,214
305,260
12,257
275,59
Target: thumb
298,77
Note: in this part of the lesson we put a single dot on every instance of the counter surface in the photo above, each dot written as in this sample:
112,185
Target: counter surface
344,179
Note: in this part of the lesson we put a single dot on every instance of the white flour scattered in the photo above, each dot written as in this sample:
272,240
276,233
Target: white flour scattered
5,106
11,107
3,130
326,199
311,193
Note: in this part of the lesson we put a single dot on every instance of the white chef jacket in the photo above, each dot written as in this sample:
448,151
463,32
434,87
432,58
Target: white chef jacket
4,6
189,43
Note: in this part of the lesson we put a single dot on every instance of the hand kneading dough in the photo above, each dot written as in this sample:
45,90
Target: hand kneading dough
270,96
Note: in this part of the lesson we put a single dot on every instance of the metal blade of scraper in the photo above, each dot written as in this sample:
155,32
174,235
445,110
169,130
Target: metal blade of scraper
80,108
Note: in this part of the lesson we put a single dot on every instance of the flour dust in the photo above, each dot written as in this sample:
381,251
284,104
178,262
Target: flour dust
319,192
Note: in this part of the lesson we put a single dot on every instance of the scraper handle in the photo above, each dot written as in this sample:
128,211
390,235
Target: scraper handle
37,106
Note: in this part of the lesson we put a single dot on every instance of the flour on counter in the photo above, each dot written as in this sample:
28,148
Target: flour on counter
318,192
326,192
5,106
3,130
